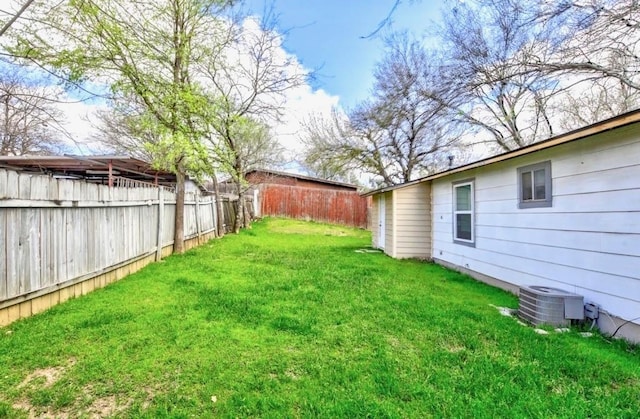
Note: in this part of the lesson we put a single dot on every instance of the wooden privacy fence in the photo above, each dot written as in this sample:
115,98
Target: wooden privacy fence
325,205
62,238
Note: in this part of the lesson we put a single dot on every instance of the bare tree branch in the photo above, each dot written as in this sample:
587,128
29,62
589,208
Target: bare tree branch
398,135
30,123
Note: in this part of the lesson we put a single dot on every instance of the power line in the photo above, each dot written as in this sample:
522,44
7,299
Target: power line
15,17
386,21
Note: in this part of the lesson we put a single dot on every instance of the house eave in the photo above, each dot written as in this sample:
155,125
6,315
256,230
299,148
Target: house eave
575,135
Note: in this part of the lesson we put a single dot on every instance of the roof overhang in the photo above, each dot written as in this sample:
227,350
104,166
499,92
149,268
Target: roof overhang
575,135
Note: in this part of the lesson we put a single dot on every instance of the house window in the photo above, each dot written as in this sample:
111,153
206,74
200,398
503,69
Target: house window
463,212
534,185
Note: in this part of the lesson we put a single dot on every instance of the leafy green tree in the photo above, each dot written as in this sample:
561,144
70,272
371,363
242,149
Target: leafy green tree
143,50
246,80
245,145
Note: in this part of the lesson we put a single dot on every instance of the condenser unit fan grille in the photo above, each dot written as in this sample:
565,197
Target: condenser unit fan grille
552,306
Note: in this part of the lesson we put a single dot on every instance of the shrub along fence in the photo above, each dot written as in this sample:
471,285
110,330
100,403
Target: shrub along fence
62,238
325,205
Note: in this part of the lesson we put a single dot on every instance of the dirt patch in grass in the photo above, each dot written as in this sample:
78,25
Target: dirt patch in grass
34,412
100,407
393,341
49,375
107,406
294,375
453,348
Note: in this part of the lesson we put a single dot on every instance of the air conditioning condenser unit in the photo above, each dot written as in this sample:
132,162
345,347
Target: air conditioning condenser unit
552,306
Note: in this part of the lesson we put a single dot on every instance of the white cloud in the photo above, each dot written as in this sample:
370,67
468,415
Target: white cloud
294,104
79,122
300,103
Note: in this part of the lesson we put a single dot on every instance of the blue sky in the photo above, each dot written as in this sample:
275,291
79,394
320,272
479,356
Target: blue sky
326,35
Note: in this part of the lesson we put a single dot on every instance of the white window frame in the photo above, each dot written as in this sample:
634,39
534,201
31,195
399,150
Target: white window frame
471,212
535,203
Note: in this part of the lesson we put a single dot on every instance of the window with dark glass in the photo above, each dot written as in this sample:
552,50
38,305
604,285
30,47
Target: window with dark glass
463,207
534,185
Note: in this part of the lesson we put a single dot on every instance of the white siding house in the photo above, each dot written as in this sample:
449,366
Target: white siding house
563,213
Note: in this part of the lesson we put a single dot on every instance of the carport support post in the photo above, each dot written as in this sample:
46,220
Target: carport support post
110,173
160,219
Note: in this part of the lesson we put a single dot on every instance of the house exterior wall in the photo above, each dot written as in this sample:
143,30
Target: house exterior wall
413,221
587,242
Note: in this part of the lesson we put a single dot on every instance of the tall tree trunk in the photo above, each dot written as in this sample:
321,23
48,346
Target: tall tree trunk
219,208
239,210
178,235
240,203
246,214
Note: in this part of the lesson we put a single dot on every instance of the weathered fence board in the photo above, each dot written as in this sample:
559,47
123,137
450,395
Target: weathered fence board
326,205
3,247
56,232
12,239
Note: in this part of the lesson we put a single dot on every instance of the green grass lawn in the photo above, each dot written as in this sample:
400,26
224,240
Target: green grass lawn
289,320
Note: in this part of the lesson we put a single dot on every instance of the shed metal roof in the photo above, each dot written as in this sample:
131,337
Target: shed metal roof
302,177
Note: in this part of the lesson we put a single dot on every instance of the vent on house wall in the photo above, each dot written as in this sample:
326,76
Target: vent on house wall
552,306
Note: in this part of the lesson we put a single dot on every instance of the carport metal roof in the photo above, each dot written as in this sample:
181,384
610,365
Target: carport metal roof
97,169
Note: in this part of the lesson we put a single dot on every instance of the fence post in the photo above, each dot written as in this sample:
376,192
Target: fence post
160,222
214,214
198,229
